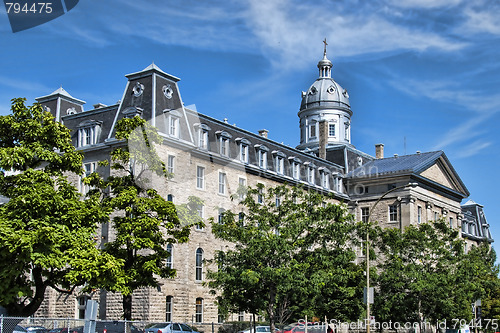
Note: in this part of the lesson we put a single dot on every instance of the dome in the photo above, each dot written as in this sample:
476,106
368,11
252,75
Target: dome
325,93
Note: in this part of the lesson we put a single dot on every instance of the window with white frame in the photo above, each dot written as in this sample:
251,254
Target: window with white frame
171,164
346,137
199,264
331,129
279,162
200,177
88,133
436,216
295,169
262,155
242,188
203,136
393,213
173,126
199,310
222,183
223,139
244,153
312,130
419,214
88,169
310,175
324,178
200,210
221,215
81,303
169,305
170,258
451,222
260,195
365,213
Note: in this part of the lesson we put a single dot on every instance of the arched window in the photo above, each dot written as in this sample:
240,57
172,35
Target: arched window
199,264
170,259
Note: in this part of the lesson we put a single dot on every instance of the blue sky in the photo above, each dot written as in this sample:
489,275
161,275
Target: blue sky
421,74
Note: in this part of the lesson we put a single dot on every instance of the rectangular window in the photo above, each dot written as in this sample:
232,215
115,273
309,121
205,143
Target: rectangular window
260,196
295,170
312,131
324,180
241,316
310,175
279,164
171,164
222,183
200,177
88,168
174,126
365,212
262,159
419,214
168,309
436,216
224,146
393,213
331,130
87,136
199,310
203,139
242,188
244,153
200,210
451,222
170,250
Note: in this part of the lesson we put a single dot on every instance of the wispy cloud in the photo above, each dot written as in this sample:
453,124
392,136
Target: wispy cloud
22,85
473,148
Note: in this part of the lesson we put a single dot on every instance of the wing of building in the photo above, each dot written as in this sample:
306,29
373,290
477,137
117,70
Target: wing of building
212,159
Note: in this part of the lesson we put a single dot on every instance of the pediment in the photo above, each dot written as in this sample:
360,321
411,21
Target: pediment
440,173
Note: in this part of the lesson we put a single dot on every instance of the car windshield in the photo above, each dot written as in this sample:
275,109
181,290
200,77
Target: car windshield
186,328
159,325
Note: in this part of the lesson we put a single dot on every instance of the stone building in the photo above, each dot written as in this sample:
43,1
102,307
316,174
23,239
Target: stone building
211,159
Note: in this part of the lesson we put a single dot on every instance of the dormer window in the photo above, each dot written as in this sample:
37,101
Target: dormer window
346,132
279,162
88,132
203,130
324,178
310,174
131,112
223,138
262,156
172,118
244,144
294,167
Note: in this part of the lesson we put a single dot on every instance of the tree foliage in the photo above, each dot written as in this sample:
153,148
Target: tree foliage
424,274
46,230
143,222
291,255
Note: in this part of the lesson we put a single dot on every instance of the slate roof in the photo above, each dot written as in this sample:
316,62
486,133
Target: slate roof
396,165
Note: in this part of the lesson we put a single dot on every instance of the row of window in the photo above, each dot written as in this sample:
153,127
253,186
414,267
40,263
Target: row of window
393,213
311,131
324,175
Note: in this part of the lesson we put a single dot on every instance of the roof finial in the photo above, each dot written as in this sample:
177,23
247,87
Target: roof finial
324,52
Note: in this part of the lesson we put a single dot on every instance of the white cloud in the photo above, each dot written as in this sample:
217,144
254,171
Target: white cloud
483,19
473,149
427,4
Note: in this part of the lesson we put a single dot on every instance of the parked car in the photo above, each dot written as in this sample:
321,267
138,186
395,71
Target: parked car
36,329
258,329
301,328
170,328
60,330
115,326
19,329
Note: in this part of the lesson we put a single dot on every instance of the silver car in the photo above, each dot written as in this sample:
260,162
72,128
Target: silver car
170,328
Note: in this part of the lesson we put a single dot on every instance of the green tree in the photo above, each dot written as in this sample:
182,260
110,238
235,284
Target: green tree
46,230
143,221
291,251
425,276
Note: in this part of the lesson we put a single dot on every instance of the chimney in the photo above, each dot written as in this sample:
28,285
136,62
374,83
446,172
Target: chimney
263,133
379,151
323,138
99,105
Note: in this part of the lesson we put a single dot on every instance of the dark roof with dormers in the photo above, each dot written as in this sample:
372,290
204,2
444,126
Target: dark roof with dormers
407,165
